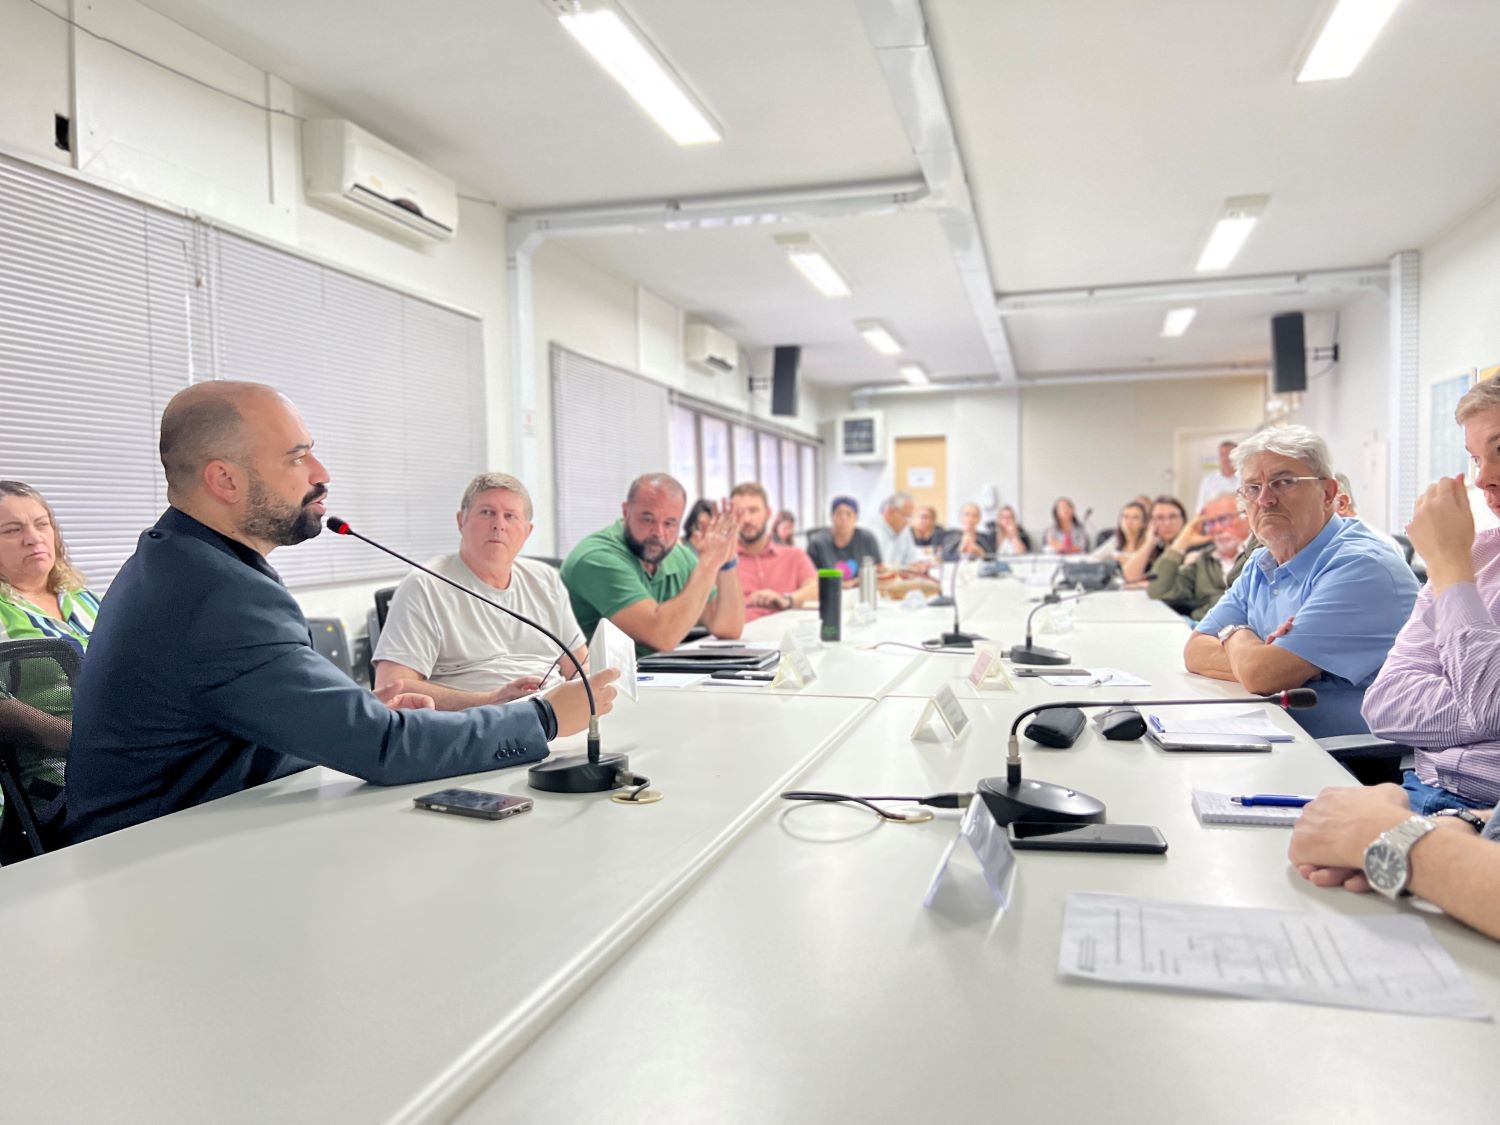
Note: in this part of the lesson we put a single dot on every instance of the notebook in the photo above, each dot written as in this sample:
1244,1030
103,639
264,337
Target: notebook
1217,808
1211,719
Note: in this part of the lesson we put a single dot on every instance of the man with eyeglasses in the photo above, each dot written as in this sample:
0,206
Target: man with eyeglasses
1204,560
1319,604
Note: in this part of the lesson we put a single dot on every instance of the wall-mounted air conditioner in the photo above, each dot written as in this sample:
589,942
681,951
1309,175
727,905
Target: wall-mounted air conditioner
347,168
862,437
708,349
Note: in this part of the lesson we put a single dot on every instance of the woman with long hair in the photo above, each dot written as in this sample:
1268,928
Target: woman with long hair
1066,536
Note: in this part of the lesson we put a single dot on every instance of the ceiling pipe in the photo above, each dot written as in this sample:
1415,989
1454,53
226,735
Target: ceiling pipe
1296,284
1062,379
898,32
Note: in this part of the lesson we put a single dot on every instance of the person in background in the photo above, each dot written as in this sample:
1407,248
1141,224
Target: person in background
1439,690
1344,506
1066,536
925,531
967,541
1167,519
845,544
1010,536
201,679
699,516
893,531
784,528
1128,537
1220,480
41,595
1319,604
1450,858
775,576
459,651
653,587
1204,560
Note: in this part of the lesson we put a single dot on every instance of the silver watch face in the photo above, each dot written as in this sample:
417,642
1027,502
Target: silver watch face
1385,867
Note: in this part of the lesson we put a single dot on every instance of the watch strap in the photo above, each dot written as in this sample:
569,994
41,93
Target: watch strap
1468,816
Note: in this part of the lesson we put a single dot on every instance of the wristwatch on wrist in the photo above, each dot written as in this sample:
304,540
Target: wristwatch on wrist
1388,858
1229,631
1468,816
730,565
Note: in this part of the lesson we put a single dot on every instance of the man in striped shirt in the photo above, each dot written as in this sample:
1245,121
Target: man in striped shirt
1439,690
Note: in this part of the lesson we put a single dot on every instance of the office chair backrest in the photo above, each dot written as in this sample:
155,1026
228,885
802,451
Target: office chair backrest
328,637
1406,547
36,712
383,603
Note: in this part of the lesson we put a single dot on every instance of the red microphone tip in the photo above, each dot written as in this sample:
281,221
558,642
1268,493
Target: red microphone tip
337,526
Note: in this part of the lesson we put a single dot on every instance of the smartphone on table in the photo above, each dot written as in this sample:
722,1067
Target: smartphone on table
1053,837
473,802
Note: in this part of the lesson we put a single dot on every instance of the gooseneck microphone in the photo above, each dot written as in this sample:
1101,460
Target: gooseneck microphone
593,772
1039,654
1016,799
956,638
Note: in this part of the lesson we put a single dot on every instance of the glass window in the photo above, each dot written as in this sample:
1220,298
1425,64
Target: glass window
810,515
685,451
770,468
715,449
744,455
791,475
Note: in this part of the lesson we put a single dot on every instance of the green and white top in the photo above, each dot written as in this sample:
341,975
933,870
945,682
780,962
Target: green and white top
20,619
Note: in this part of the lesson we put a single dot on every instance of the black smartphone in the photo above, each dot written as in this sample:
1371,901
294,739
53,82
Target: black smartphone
1043,836
1033,670
473,802
743,677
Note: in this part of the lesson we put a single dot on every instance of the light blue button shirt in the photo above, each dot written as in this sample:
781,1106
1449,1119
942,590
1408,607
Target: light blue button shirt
1349,592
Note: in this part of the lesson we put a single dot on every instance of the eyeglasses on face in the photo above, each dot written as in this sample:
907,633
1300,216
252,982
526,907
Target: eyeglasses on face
1211,525
1276,486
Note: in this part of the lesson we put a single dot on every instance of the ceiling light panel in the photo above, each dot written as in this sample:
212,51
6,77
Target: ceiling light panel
616,44
915,374
1349,33
878,336
1234,226
1176,322
814,264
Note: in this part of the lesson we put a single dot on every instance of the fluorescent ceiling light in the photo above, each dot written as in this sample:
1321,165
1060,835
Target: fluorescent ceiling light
1348,34
814,264
620,48
915,374
1176,321
878,336
1230,232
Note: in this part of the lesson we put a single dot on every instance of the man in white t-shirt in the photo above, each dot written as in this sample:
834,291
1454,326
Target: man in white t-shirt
1224,480
463,653
1343,505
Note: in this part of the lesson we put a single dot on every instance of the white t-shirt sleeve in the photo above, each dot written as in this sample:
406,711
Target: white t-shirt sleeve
566,625
411,635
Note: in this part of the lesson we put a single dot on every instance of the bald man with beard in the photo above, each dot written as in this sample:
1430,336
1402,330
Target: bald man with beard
201,678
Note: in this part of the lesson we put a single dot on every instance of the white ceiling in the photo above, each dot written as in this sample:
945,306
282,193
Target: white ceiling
1100,140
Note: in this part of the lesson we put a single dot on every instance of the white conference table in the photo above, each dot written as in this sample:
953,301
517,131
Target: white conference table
316,950
805,982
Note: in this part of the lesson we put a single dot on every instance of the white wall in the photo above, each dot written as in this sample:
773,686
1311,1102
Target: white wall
982,428
1102,443
1349,404
164,139
586,308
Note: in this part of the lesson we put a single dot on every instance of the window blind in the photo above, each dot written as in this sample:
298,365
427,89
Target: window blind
608,427
110,307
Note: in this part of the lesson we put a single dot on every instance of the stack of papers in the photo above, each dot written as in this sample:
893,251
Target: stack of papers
1250,720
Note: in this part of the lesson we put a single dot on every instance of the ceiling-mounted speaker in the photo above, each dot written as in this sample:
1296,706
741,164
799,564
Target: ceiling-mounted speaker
784,380
1288,354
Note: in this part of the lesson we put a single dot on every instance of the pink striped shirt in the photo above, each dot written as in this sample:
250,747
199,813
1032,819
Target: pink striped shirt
1439,690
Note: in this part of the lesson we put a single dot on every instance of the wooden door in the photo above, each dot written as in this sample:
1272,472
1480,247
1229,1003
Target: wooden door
922,470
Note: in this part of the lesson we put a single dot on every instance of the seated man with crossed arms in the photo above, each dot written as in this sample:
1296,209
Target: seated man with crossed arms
1319,604
442,643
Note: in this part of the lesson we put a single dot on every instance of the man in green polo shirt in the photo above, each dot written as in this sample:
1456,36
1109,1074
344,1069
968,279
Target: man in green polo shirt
636,573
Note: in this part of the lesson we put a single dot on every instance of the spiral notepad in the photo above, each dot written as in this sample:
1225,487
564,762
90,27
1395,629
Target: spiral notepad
1217,808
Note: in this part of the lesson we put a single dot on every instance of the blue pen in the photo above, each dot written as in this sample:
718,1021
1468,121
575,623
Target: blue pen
1156,724
644,679
1271,800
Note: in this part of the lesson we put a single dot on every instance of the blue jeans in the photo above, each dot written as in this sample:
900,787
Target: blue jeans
1427,799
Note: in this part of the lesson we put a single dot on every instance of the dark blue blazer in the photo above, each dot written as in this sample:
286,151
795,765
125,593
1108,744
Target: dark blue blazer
201,680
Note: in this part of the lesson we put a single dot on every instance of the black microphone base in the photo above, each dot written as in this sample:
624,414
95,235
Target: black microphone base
955,640
1029,800
574,773
1037,654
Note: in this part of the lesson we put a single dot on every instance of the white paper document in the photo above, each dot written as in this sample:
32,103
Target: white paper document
1249,720
1385,964
1097,677
611,648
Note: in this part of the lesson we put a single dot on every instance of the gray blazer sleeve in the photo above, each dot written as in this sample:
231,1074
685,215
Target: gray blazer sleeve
259,678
